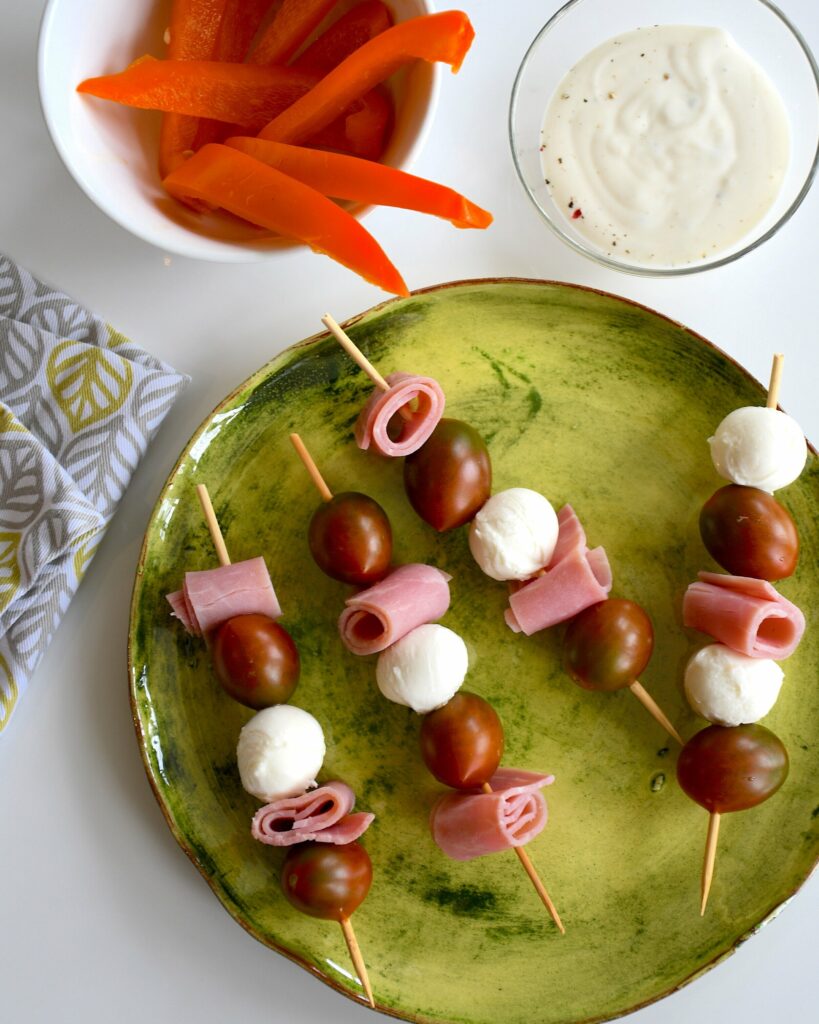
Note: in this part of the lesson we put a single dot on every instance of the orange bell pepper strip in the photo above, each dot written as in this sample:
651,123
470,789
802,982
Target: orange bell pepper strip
238,28
194,28
433,37
362,131
290,27
362,181
240,23
222,176
358,26
237,93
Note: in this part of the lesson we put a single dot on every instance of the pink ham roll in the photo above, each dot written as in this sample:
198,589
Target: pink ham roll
469,825
571,536
320,816
212,596
371,427
745,614
379,616
579,580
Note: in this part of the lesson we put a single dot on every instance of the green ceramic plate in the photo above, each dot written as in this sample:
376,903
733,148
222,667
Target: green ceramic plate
589,399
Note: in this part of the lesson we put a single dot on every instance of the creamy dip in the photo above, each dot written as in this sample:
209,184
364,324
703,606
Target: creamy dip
665,145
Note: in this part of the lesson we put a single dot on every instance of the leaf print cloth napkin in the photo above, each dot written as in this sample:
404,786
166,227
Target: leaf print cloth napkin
79,404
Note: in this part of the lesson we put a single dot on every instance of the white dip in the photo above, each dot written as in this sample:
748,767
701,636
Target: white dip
665,145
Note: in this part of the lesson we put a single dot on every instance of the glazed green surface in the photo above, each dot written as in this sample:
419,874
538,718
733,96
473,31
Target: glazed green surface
590,400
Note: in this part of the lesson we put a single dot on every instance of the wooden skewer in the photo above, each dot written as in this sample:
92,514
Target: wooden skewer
355,353
311,467
710,857
529,868
213,524
653,708
357,958
776,380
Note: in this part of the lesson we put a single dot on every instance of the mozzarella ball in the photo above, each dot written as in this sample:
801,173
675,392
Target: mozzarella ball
280,752
514,534
759,447
423,669
729,688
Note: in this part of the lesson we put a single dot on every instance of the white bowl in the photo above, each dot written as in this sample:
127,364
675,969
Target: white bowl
111,150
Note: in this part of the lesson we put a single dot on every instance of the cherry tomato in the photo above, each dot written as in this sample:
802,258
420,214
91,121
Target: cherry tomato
255,660
325,880
462,742
350,538
607,646
449,478
730,769
749,533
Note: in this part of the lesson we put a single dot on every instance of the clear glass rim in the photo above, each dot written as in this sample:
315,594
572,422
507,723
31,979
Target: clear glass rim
643,271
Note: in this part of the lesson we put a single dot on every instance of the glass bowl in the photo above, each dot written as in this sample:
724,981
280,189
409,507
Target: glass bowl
757,26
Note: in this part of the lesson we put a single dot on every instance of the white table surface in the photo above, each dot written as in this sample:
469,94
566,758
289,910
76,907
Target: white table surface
101,915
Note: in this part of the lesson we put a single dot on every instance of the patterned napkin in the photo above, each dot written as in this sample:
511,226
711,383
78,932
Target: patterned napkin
79,405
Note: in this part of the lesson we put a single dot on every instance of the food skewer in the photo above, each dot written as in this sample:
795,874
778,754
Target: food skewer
336,914
483,782
736,764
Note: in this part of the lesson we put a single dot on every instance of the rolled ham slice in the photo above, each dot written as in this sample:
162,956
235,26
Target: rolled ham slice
745,614
571,536
469,825
212,596
579,580
378,617
320,816
371,426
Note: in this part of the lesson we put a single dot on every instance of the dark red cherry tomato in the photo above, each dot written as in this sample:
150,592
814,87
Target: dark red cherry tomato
607,646
449,478
749,533
732,769
325,880
255,660
462,742
351,539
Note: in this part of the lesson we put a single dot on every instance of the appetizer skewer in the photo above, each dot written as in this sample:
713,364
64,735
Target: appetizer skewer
735,764
423,668
283,746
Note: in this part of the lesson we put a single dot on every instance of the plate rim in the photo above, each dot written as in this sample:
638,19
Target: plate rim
182,841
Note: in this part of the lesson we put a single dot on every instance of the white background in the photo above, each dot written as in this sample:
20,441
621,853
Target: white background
101,915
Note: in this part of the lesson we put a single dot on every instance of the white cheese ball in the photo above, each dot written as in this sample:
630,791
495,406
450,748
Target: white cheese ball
280,752
759,447
423,669
514,534
729,688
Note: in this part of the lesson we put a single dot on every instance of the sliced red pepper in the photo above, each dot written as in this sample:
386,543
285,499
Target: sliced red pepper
362,181
194,28
222,176
240,23
362,131
434,37
238,29
290,27
358,26
236,93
